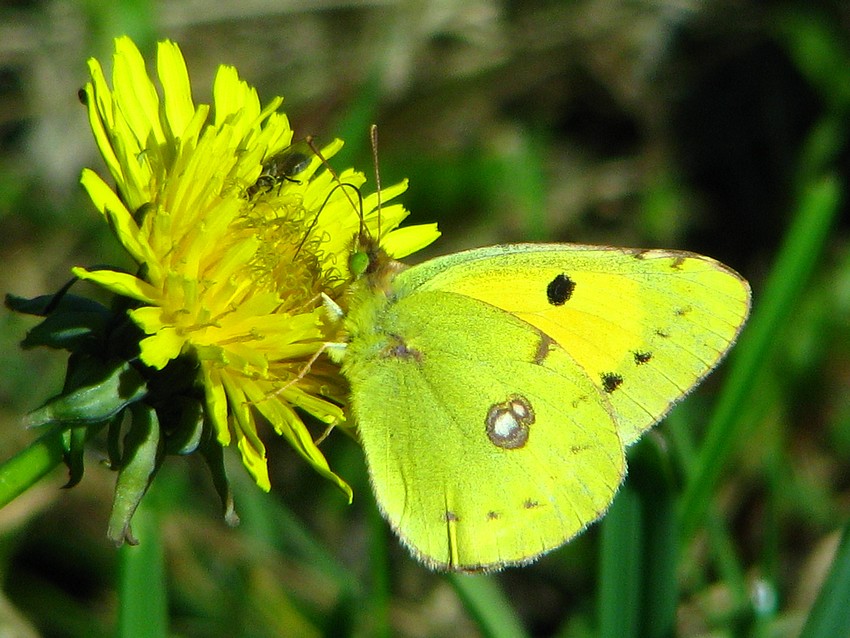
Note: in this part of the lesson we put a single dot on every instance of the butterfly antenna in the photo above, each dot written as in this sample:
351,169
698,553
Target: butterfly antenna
309,140
373,136
339,182
342,186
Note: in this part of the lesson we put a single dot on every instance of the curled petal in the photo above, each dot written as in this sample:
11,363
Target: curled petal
120,283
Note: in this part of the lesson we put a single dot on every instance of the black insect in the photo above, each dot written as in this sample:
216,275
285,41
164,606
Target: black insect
282,167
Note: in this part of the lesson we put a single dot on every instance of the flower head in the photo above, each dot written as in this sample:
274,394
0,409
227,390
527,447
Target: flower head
234,249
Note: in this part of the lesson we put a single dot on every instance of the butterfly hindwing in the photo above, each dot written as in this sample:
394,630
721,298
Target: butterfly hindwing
483,452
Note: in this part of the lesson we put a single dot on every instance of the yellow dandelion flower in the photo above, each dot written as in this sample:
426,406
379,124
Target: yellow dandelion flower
233,258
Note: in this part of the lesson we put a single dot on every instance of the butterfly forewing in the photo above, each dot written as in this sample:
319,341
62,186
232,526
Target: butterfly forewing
644,325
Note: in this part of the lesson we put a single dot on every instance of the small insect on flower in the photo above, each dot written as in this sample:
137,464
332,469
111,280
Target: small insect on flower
283,167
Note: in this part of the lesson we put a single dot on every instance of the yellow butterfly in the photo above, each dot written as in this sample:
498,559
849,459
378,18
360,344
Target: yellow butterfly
495,390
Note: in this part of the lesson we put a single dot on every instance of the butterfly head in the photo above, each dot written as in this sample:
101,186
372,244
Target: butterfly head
370,263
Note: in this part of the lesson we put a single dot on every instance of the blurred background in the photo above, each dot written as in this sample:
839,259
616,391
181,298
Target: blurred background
657,123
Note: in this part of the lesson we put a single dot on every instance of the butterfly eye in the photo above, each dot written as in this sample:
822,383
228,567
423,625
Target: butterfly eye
358,263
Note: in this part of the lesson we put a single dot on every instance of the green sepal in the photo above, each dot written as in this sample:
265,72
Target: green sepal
37,306
100,391
185,437
213,454
45,305
69,330
113,443
40,306
75,438
141,457
74,441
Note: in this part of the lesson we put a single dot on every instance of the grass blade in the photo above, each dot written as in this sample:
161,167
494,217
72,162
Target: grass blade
818,207
487,605
830,615
638,586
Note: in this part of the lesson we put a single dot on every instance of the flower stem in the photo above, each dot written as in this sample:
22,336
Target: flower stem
30,465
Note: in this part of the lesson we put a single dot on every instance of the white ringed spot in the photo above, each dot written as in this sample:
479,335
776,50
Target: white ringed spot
507,423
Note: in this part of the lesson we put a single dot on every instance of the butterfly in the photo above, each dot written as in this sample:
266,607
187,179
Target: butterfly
496,390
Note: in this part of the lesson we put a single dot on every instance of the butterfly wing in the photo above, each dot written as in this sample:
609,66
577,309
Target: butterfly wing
645,326
487,444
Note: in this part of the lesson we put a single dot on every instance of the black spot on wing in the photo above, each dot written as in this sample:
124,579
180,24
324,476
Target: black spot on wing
611,381
560,289
642,357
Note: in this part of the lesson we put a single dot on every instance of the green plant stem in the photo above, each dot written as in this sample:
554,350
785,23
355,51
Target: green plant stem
31,464
143,601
